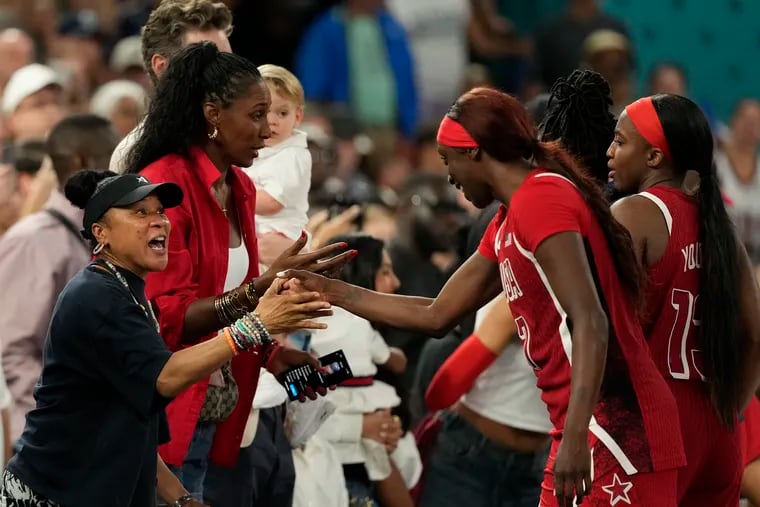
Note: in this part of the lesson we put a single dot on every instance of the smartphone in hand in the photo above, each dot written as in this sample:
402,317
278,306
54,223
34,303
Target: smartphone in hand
336,370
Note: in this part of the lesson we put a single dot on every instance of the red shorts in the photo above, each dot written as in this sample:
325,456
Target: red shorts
750,432
617,489
713,472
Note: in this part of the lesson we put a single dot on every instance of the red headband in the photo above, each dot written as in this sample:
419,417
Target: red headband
644,117
451,133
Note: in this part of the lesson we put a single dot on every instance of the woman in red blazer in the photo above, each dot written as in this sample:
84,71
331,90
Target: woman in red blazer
207,119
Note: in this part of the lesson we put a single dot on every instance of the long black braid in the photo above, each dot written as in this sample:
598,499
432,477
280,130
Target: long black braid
578,116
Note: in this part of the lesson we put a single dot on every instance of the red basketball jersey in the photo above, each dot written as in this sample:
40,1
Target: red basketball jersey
635,421
671,319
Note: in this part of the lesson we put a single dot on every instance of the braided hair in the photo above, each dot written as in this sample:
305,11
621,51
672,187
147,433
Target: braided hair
578,116
501,127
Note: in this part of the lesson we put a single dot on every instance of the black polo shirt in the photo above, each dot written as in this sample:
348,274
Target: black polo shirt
93,437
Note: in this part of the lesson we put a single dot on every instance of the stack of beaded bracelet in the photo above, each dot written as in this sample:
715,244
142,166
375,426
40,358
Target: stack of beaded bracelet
231,305
248,331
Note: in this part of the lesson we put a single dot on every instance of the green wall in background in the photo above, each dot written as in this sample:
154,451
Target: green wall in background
716,41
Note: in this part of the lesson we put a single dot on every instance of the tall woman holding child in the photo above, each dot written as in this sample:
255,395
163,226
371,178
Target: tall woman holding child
208,118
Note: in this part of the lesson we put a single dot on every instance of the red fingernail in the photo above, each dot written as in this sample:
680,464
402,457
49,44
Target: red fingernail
303,234
343,244
354,253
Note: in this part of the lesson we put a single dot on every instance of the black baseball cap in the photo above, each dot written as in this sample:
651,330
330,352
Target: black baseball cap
123,190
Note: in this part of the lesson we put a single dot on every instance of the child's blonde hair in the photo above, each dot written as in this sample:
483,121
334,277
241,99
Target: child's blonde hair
284,81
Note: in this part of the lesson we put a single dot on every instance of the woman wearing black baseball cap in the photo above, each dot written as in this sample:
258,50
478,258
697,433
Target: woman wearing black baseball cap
107,374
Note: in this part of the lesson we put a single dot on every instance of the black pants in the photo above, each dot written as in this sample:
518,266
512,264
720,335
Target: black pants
264,475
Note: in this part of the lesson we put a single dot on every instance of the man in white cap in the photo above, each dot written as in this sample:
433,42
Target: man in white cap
32,102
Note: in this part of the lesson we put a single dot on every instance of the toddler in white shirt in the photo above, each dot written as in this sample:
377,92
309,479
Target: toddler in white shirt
282,171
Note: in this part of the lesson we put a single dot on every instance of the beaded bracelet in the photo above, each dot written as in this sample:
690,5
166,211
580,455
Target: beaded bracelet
247,332
230,341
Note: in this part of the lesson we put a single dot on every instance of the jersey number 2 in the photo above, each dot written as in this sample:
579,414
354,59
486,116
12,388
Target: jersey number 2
681,358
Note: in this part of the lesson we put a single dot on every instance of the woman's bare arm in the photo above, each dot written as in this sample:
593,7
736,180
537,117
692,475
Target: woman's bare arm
475,283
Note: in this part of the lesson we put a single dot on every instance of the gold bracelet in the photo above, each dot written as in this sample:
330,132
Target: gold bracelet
220,313
251,294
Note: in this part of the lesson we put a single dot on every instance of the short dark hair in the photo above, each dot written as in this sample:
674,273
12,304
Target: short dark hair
361,271
167,25
28,156
84,135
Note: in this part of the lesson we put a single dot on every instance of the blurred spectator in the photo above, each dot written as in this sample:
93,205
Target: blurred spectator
32,102
324,158
476,75
428,158
10,199
357,54
78,47
559,43
127,63
668,77
16,51
437,32
500,38
40,253
739,171
171,26
121,102
27,160
608,53
429,219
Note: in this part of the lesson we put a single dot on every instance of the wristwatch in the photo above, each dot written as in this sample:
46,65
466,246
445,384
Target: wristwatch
182,501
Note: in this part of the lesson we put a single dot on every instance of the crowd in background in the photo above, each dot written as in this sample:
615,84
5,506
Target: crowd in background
377,77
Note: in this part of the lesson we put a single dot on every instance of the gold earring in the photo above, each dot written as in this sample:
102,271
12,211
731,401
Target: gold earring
213,134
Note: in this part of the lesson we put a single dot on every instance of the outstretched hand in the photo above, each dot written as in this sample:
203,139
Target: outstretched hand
299,281
325,260
284,312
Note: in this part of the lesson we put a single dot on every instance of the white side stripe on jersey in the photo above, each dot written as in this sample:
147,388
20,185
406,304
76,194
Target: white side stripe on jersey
555,175
663,208
567,345
564,329
612,446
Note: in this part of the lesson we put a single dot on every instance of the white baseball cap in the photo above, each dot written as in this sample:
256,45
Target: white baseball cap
127,53
27,81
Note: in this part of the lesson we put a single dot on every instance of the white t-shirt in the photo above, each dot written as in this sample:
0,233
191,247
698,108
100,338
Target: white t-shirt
437,31
745,209
284,172
506,391
119,156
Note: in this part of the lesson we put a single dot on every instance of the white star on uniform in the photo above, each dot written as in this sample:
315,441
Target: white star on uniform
618,491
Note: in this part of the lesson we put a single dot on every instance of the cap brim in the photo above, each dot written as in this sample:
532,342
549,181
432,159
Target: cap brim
170,194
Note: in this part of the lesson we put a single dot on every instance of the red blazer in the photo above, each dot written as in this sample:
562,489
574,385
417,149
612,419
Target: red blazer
198,259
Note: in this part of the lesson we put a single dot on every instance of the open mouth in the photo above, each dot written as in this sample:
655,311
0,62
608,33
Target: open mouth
611,176
158,244
454,182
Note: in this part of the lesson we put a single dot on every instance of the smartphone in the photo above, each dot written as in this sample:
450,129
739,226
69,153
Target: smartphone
298,379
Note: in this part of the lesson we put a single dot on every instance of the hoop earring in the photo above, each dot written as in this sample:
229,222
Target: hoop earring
98,248
213,134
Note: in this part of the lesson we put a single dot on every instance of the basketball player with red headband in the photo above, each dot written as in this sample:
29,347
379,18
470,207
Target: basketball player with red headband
701,318
573,283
